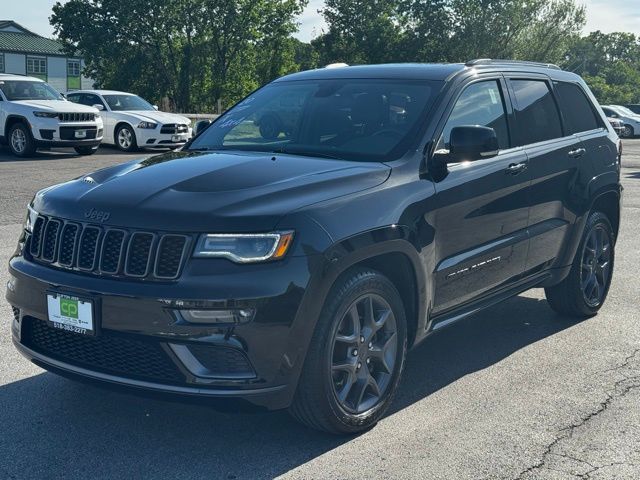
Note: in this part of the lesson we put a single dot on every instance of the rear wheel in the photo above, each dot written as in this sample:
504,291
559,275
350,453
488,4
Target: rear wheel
126,139
21,142
356,356
585,289
85,150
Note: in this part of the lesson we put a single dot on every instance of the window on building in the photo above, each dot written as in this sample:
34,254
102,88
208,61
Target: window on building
73,68
536,112
37,67
1,62
73,75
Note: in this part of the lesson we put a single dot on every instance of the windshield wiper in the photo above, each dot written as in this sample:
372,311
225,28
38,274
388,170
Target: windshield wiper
307,153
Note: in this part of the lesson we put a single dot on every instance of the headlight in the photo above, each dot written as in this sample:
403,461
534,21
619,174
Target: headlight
245,247
31,219
46,114
149,125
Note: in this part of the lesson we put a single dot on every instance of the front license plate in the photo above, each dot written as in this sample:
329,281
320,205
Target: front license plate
71,313
179,138
81,134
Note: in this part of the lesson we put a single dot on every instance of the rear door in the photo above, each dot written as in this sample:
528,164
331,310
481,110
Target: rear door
554,155
482,206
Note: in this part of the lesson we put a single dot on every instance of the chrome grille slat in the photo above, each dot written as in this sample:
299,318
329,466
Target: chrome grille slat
138,257
109,252
88,249
76,117
36,236
68,244
50,240
112,251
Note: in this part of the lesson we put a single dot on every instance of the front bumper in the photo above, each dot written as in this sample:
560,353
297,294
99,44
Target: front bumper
133,316
152,138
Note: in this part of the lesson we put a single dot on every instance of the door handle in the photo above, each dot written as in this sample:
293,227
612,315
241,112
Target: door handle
577,153
516,168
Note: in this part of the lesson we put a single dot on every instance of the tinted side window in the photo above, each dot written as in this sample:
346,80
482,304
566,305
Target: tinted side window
576,108
537,116
609,113
479,104
91,100
75,98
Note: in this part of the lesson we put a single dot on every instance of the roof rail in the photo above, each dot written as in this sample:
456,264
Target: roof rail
490,61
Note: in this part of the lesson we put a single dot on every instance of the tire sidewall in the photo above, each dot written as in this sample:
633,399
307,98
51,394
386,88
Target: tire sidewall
628,131
376,284
134,141
595,219
28,148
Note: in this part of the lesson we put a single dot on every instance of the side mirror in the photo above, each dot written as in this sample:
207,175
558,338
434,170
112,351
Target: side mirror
98,106
156,107
472,142
201,126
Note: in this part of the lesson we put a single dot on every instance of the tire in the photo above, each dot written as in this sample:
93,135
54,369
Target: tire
85,150
335,393
21,141
125,138
628,132
578,295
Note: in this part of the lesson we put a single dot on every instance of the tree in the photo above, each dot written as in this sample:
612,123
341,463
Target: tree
609,63
195,52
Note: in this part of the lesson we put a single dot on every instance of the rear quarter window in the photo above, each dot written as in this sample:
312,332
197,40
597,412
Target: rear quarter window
577,110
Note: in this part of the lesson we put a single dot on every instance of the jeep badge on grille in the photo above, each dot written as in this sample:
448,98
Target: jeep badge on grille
97,215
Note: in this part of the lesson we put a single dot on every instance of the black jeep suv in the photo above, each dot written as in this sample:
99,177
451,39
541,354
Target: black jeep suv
294,268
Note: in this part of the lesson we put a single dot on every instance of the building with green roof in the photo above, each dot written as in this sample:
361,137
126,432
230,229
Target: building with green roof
23,52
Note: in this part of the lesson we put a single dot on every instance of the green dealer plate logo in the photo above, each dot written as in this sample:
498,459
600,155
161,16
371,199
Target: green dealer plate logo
69,308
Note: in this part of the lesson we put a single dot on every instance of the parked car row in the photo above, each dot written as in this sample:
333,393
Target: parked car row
34,115
629,119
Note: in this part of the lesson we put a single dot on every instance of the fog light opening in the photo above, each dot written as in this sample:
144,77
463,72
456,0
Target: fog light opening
218,317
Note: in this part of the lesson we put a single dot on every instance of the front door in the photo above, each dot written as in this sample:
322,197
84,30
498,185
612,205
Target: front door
482,207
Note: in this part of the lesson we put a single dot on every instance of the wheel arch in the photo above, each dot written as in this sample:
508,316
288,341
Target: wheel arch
12,120
119,124
608,202
389,251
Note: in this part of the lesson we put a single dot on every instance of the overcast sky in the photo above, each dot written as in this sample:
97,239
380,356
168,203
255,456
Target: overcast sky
605,15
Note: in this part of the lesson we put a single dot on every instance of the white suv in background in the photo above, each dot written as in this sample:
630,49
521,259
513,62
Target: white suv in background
33,114
130,122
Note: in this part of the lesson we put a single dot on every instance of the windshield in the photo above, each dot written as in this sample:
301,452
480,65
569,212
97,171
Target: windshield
119,103
353,119
28,90
626,111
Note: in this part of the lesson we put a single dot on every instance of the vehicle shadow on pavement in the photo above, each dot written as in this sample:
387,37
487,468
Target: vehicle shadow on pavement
475,343
55,428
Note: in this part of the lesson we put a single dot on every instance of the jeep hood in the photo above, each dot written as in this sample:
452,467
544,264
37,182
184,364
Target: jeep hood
61,106
207,192
151,116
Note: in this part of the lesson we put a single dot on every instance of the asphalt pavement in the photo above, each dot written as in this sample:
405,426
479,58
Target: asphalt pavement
514,392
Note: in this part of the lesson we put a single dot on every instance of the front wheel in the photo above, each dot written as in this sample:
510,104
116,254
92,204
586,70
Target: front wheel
85,150
126,139
585,289
356,356
21,142
628,132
